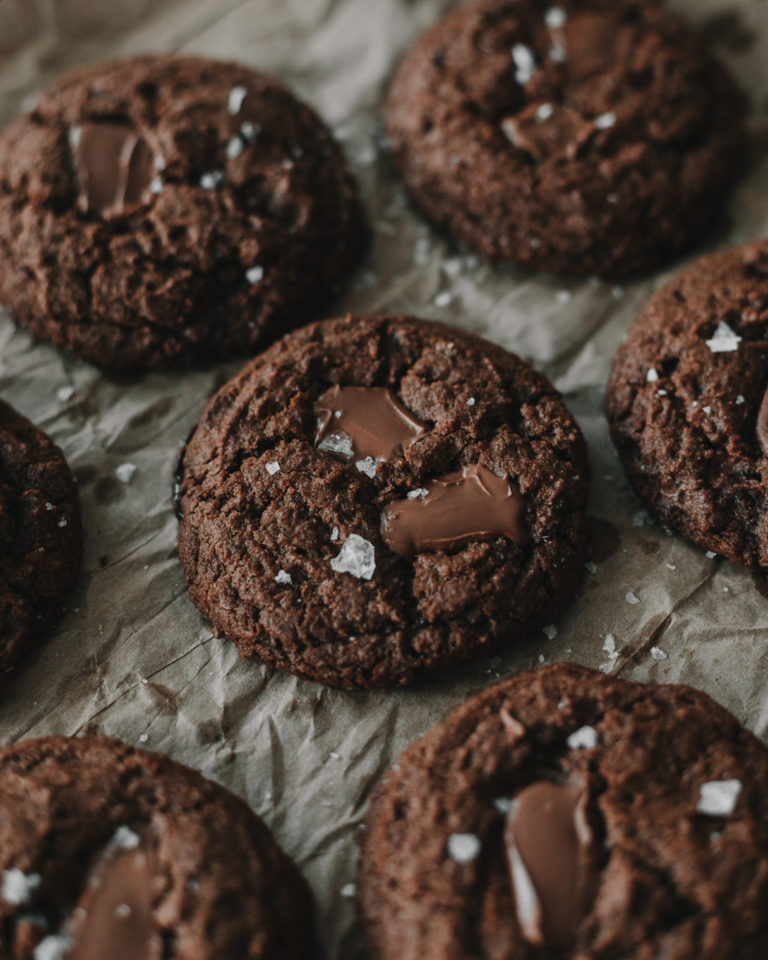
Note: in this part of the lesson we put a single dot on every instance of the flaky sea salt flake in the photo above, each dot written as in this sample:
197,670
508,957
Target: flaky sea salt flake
272,468
718,797
658,654
126,472
254,275
463,847
283,577
585,738
18,886
555,18
236,98
724,339
525,62
357,557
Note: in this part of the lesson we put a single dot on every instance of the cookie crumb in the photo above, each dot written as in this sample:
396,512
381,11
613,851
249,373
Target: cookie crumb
718,797
463,847
357,557
585,738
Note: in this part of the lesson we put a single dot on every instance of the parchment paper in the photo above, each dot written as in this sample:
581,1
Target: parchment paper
134,659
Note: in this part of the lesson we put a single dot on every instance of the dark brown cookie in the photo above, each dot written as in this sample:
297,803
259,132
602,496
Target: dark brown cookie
568,814
687,404
161,211
40,535
373,498
108,851
582,136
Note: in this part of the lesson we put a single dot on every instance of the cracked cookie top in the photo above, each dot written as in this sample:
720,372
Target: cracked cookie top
375,497
568,814
686,402
161,211
40,535
578,136
108,851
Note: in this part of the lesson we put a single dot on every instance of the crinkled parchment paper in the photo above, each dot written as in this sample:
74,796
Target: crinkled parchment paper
133,657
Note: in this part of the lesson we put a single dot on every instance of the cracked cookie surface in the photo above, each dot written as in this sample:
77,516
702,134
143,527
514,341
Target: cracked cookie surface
40,535
686,402
582,136
675,821
161,211
282,535
209,880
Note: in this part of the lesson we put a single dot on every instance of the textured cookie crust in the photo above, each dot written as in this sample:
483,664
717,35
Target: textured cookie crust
687,431
223,888
40,535
242,525
173,282
672,881
617,196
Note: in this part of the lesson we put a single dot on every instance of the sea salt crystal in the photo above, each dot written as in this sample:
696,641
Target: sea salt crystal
740,399
18,886
283,577
254,275
54,947
658,654
249,131
349,890
550,632
585,738
524,61
125,472
234,148
367,466
632,598
444,299
605,121
421,494
555,18
463,847
273,468
563,296
357,557
718,797
63,394
122,911
339,443
236,98
335,534
724,340
62,523
544,112
652,376
471,402
156,186
125,838
212,180
502,804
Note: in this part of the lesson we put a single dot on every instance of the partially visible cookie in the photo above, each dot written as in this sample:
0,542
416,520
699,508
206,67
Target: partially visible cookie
111,852
688,407
582,136
161,211
569,814
40,535
376,497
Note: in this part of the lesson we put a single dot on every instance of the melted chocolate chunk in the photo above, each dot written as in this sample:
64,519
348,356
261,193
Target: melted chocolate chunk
472,504
113,918
546,130
115,167
547,839
364,422
592,43
762,425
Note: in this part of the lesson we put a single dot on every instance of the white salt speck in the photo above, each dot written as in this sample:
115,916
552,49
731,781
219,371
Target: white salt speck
254,275
632,598
658,654
591,567
421,252
143,737
126,472
718,797
357,557
212,180
18,886
234,148
502,804
618,292
349,890
555,18
524,61
740,399
65,393
159,161
605,121
563,296
62,523
420,494
545,111
273,468
49,506
542,658
339,443
122,911
236,97
724,340
641,518
612,198
662,393
74,135
710,554
335,534
335,756
671,566
707,410
368,466
249,132
550,632
585,738
652,376
557,54
444,299
126,839
471,402
451,267
54,947
156,185
463,847
283,577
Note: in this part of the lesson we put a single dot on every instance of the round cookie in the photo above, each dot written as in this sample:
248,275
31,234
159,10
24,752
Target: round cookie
687,405
161,211
40,535
376,497
568,814
579,136
108,851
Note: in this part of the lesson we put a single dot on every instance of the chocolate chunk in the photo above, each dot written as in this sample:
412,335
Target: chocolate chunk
593,42
364,422
762,424
544,130
546,837
114,165
469,505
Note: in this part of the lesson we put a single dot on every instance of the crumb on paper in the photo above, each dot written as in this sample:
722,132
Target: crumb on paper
717,798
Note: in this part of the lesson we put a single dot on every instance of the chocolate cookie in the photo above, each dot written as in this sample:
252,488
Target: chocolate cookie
688,408
568,814
40,535
111,852
582,136
160,211
373,498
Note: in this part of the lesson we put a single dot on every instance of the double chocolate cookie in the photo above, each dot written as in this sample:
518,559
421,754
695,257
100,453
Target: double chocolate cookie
111,852
161,211
582,136
373,498
567,814
40,535
688,407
